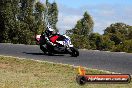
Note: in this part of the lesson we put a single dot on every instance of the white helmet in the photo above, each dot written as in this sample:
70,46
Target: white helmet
50,29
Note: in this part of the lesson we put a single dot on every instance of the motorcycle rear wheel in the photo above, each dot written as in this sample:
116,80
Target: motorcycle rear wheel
43,49
46,51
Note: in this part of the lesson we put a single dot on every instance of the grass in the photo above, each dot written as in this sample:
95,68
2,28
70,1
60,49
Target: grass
16,73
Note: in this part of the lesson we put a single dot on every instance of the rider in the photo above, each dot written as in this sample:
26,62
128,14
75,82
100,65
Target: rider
50,35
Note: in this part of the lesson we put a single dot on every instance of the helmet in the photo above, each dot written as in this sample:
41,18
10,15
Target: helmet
50,31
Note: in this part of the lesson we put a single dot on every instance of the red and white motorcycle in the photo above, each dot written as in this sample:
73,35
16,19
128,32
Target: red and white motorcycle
63,46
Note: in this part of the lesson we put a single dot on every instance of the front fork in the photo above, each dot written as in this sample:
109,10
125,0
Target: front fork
69,49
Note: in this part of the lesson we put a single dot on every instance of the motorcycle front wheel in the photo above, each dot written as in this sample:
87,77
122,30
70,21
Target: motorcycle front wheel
74,52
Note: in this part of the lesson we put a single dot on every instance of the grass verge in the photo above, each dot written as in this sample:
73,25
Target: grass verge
18,73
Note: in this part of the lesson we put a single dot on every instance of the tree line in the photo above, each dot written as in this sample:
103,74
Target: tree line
21,20
117,37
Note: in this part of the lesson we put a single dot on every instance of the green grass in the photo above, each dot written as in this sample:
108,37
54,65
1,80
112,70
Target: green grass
16,73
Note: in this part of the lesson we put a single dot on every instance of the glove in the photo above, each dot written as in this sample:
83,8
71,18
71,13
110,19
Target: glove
54,44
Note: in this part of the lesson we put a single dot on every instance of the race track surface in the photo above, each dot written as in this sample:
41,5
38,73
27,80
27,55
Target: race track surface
110,61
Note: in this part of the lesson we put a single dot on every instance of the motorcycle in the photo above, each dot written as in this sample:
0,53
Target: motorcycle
63,46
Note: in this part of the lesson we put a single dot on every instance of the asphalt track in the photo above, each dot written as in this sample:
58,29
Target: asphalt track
110,61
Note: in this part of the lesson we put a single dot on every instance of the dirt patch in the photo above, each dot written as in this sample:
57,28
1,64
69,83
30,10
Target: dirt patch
3,65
